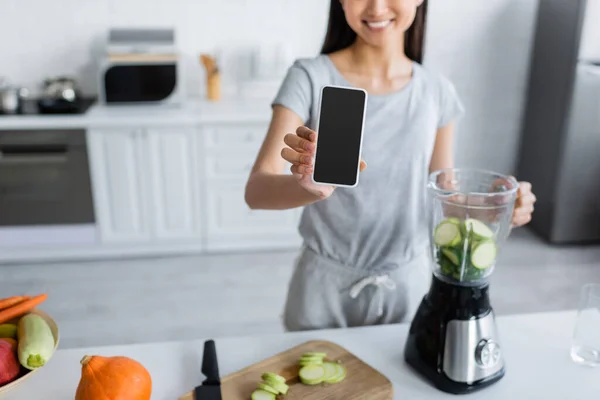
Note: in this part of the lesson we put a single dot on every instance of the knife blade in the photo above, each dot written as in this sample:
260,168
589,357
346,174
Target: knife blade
211,387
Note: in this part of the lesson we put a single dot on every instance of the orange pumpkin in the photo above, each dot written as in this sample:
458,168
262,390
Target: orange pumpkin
113,378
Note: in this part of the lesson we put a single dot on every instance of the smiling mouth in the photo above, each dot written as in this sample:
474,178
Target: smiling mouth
378,25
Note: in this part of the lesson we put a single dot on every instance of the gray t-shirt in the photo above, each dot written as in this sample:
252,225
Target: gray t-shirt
383,221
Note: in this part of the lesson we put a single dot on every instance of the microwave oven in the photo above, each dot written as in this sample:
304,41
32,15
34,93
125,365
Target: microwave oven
131,81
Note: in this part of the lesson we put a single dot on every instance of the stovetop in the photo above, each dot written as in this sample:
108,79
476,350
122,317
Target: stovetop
45,107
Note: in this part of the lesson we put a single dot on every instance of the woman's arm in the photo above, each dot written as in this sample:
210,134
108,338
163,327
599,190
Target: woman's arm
443,149
268,187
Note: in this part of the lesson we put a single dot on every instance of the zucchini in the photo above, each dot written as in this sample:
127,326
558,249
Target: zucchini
315,355
453,256
312,374
36,342
262,395
340,376
270,375
447,234
276,385
267,388
331,371
478,229
484,254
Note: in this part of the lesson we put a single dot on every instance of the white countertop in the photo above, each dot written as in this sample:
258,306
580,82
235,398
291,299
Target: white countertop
536,349
188,113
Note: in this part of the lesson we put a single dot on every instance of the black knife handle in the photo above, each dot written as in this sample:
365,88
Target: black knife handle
210,367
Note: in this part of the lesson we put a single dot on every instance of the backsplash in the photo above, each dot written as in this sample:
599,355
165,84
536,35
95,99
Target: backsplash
482,46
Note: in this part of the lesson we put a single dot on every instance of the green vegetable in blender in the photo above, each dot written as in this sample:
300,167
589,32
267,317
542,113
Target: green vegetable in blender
447,234
468,257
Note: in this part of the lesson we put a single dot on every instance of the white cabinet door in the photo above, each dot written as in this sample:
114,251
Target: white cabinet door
118,187
174,183
231,224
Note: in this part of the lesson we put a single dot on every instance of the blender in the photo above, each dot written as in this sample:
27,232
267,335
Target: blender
453,341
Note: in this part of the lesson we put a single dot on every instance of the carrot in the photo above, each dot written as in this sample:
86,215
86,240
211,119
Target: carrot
11,301
21,308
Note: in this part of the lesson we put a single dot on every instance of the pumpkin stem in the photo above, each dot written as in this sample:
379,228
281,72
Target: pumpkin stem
85,360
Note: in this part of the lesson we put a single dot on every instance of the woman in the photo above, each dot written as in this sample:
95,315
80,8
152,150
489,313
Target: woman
365,258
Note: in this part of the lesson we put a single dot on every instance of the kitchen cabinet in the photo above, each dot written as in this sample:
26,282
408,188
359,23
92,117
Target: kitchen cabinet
174,182
145,184
230,152
116,164
169,185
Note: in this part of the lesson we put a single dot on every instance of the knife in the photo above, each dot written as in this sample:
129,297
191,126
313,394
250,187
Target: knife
211,387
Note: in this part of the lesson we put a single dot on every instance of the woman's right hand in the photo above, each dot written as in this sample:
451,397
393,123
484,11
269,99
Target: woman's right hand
300,150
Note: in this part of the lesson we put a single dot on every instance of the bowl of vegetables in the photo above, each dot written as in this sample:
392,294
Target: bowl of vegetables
471,213
28,339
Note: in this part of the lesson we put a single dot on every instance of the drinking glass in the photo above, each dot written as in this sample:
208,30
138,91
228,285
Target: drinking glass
586,338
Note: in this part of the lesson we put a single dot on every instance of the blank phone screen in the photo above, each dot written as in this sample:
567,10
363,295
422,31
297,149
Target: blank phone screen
339,136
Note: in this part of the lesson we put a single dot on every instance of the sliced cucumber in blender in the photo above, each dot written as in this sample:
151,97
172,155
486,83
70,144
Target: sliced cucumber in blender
453,255
478,229
483,254
447,234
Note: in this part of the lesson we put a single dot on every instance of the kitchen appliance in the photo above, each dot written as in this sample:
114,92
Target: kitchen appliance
44,178
362,382
211,387
453,341
141,66
37,106
11,98
560,139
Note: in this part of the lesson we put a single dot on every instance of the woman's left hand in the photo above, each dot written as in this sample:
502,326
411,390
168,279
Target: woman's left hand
523,205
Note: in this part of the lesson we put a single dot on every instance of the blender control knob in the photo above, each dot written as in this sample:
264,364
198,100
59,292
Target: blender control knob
487,353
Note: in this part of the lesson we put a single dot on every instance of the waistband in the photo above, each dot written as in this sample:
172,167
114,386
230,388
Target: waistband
309,256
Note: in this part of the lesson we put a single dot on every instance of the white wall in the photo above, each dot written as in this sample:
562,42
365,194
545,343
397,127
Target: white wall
483,46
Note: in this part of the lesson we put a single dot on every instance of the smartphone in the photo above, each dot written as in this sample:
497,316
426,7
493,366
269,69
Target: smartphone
340,128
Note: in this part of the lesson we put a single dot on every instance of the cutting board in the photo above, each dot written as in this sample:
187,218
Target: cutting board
362,381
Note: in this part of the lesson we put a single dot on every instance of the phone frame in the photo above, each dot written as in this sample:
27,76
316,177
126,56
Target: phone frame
362,131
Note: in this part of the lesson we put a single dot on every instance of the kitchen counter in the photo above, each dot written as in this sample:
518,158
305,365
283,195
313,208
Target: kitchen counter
188,113
536,349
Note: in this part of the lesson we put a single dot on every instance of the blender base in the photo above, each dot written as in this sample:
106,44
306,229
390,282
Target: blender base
452,340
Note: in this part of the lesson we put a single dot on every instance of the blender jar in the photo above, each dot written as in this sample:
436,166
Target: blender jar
471,212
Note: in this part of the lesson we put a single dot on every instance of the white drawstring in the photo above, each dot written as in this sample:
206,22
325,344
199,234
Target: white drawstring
379,281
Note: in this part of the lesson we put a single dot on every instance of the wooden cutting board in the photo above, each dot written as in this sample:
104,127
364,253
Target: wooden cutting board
362,381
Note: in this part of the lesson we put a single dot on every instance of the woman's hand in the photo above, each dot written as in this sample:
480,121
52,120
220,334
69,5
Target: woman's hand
524,205
300,153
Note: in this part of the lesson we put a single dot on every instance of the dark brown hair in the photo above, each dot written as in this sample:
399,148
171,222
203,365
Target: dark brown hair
340,35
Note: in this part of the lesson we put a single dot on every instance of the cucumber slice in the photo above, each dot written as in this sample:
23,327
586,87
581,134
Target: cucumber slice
278,386
262,395
453,220
484,254
305,358
305,363
331,371
311,355
452,255
341,375
447,234
312,374
479,229
270,375
267,388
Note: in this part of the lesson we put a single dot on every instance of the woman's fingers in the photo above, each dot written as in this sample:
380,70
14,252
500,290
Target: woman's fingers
297,143
301,169
306,133
363,165
294,157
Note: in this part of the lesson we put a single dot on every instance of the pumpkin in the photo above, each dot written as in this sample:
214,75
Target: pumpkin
113,378
9,365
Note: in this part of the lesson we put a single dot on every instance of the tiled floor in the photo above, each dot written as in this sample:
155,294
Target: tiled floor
112,302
